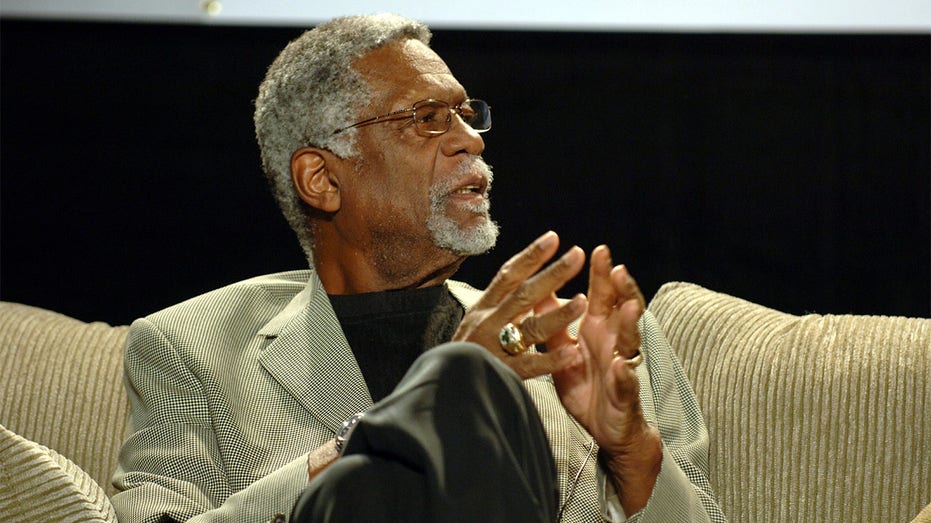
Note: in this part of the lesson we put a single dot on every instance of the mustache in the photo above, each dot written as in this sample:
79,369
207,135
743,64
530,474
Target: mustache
473,164
469,166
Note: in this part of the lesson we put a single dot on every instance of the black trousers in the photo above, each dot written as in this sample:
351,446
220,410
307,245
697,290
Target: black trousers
458,440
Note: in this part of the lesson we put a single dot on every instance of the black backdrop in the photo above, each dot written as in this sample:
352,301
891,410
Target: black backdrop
790,170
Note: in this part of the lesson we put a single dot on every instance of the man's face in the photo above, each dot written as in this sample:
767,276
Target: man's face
415,195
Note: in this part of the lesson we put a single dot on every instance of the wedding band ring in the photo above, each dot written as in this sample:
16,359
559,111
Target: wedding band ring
512,340
635,361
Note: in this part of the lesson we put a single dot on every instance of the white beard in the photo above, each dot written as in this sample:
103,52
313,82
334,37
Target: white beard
446,233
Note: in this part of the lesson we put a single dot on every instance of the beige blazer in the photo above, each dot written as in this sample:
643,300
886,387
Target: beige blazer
230,390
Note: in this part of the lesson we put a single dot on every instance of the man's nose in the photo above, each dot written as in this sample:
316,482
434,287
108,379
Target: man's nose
461,137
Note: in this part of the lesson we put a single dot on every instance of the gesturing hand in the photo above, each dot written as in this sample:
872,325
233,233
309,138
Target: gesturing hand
601,392
517,289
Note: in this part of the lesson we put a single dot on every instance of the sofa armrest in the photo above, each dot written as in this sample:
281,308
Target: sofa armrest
38,484
812,418
61,385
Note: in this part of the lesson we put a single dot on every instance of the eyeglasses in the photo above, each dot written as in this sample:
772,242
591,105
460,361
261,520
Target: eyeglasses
435,116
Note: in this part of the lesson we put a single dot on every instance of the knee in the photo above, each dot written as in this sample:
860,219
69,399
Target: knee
459,357
463,369
461,352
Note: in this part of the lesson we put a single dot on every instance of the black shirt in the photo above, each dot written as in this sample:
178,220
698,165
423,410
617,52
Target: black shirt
388,330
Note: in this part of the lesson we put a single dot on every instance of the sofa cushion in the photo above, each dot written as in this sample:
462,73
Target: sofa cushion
61,385
812,418
38,484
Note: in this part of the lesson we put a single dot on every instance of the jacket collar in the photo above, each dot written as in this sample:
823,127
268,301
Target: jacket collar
309,356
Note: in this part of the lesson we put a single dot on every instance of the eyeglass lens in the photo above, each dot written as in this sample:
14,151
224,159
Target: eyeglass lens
434,116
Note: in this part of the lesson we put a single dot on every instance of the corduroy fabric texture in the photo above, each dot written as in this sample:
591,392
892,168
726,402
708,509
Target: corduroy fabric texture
61,385
38,484
925,515
812,418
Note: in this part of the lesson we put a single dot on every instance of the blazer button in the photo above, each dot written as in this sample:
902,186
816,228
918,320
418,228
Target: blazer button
279,518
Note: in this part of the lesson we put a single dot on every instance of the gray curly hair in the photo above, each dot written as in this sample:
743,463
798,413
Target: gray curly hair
310,90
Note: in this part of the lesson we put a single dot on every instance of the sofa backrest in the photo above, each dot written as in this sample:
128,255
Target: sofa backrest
812,418
61,385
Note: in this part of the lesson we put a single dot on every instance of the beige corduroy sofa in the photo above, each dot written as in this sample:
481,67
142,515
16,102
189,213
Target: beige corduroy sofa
812,418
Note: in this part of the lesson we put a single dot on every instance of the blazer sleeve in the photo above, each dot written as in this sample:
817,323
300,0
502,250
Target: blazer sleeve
683,492
171,467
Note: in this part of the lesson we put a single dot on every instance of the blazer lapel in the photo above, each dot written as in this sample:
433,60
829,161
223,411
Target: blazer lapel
310,357
308,354
464,293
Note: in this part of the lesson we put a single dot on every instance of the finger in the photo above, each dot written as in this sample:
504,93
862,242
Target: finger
517,269
626,286
550,303
624,324
551,319
624,392
533,364
541,285
601,293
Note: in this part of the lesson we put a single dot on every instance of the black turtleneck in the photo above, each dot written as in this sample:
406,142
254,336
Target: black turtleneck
388,330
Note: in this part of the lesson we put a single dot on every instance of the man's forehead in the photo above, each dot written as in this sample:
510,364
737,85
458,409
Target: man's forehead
401,65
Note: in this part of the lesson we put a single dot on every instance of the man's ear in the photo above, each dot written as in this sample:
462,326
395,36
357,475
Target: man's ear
314,178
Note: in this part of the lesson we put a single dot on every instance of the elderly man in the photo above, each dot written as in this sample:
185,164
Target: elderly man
373,152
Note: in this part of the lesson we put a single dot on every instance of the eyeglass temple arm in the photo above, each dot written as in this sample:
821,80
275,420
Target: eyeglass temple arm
374,120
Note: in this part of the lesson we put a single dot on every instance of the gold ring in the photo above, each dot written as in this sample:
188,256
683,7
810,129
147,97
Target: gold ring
512,340
635,361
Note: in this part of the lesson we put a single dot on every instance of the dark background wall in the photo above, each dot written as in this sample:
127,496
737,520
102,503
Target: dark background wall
791,170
